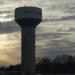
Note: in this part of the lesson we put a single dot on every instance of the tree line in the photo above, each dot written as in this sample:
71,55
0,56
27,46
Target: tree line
64,64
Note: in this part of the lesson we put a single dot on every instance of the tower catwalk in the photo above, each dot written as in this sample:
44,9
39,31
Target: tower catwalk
28,18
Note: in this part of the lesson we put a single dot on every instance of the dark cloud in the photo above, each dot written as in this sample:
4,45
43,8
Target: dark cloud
8,12
63,18
69,29
53,35
67,18
59,51
55,51
9,27
56,44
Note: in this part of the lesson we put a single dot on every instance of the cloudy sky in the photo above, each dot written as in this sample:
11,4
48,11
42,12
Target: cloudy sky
54,36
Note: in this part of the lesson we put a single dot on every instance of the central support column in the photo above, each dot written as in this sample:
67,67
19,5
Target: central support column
28,50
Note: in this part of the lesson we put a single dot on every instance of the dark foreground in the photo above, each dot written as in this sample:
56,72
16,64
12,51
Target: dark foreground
56,74
64,65
10,73
18,73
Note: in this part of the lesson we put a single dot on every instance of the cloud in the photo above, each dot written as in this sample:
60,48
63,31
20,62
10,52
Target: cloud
10,48
68,18
54,43
9,27
55,47
63,18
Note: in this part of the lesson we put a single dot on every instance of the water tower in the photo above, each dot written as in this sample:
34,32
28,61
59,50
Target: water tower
28,18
